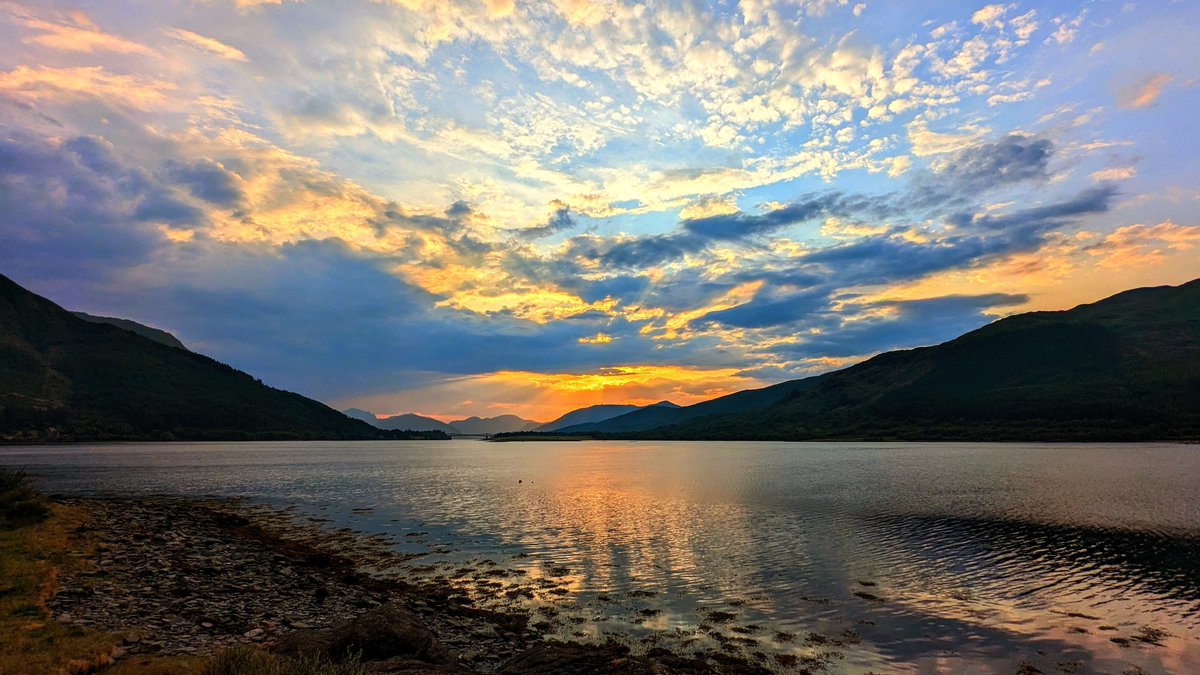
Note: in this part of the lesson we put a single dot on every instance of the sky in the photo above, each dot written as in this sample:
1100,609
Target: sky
490,207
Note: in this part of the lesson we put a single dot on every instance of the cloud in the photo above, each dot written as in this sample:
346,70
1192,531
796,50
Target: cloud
208,44
1144,92
1012,159
925,142
732,226
990,16
1118,173
43,84
559,222
74,210
76,33
881,326
207,180
1139,244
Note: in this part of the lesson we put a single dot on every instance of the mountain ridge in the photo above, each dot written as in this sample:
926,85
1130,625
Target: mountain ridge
473,425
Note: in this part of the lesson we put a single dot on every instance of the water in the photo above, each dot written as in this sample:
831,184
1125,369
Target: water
912,557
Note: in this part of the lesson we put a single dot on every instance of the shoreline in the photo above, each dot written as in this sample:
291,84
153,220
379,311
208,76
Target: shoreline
179,578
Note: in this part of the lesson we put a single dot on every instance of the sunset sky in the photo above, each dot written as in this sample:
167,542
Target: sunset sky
485,207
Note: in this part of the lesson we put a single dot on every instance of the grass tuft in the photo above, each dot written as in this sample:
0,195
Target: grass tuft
20,504
252,661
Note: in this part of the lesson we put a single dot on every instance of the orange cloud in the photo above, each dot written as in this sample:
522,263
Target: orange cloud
1145,92
208,44
46,83
84,37
1134,245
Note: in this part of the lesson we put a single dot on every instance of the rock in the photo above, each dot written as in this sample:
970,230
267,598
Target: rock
410,667
385,632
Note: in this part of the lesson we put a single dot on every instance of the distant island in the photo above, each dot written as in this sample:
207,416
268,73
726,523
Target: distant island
67,377
1125,368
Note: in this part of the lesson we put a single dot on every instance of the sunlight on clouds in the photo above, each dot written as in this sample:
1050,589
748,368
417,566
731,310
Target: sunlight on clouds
1137,245
925,142
46,84
534,168
1113,174
677,325
597,339
77,33
1145,92
540,305
208,44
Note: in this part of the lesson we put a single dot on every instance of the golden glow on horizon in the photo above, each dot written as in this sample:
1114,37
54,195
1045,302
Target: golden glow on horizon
545,396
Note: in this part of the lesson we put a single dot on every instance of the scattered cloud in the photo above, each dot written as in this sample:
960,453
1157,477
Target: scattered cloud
1144,92
208,44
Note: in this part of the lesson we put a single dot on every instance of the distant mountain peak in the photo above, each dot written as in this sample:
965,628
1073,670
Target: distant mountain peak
500,424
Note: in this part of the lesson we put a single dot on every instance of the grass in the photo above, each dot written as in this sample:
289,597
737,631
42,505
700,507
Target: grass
251,661
35,541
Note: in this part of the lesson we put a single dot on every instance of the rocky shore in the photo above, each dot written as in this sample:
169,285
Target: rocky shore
185,577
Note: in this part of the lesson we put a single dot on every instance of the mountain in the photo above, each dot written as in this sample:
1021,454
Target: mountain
160,336
596,414
653,417
67,378
471,425
360,414
410,421
1124,368
415,423
501,424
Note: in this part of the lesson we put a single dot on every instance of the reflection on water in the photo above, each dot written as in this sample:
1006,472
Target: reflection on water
921,557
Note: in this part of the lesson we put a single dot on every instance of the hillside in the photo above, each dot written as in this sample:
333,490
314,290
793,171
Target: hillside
1123,368
160,336
653,417
66,378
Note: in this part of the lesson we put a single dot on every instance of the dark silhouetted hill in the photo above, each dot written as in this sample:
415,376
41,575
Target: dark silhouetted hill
66,378
1124,368
596,413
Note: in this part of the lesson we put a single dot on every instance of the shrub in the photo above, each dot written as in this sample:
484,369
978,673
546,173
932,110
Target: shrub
20,503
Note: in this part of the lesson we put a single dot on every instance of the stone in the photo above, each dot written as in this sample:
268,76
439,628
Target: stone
385,632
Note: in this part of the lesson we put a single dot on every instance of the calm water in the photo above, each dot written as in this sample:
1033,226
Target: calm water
934,557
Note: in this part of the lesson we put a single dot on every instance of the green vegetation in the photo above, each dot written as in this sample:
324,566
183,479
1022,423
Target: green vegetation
66,379
1124,368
